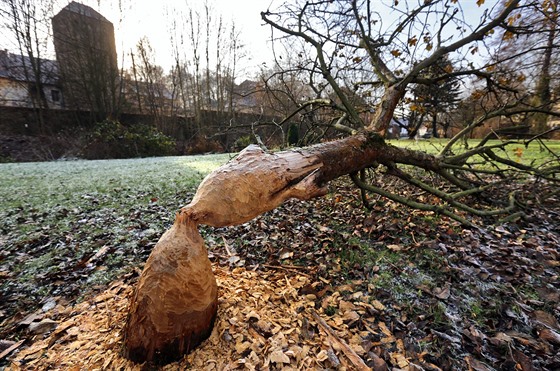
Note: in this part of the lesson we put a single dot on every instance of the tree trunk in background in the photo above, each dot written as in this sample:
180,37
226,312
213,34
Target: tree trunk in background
434,125
175,302
543,93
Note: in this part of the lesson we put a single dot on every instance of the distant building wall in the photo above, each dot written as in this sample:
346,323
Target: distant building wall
13,94
18,82
16,94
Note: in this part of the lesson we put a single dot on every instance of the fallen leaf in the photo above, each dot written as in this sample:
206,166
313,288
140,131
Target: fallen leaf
31,318
286,255
395,247
476,365
39,328
442,293
378,305
545,319
550,335
351,316
399,360
322,355
523,361
500,339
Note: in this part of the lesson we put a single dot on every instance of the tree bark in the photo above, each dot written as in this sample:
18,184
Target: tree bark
175,302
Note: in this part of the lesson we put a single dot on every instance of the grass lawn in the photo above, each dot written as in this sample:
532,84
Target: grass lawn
46,185
70,227
535,151
54,216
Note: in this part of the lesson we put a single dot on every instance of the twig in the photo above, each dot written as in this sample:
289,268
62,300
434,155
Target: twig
411,203
288,267
226,245
11,349
356,360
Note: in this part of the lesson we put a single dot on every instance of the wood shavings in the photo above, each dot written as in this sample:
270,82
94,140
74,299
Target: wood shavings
264,322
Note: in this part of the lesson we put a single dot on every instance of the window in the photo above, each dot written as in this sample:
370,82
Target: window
55,95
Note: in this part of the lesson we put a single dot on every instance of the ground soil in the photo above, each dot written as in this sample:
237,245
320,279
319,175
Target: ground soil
403,289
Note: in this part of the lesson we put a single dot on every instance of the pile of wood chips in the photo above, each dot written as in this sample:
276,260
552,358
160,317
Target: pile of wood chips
265,321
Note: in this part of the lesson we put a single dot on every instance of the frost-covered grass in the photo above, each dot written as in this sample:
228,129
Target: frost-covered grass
55,216
65,183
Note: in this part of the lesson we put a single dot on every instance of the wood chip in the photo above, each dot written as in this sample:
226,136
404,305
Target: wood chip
11,349
278,356
262,323
352,356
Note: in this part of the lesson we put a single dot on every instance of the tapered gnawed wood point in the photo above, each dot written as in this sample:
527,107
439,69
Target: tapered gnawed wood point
175,303
253,183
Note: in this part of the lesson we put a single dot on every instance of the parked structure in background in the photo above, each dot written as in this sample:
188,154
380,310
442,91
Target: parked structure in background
84,42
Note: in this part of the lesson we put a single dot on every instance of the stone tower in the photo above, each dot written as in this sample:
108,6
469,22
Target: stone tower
84,42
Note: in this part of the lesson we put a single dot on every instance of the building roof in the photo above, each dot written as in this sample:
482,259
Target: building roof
246,87
14,66
84,10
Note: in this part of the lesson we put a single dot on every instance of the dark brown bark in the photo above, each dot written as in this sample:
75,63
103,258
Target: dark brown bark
257,181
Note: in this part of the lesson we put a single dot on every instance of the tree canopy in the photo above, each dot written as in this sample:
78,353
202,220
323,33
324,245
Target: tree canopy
347,48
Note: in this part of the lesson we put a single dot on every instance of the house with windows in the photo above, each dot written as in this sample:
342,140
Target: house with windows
19,86
85,69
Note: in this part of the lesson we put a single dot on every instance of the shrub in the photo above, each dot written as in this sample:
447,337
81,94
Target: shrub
202,144
243,142
111,139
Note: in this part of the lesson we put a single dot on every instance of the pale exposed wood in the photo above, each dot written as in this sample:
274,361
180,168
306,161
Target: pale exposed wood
356,360
175,303
253,183
11,348
174,306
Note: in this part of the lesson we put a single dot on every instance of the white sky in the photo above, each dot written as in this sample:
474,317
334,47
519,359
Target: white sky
150,18
140,18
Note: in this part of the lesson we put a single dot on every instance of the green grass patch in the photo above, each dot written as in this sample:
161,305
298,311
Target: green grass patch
536,153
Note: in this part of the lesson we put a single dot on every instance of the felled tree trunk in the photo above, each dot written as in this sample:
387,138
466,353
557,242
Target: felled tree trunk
257,181
174,306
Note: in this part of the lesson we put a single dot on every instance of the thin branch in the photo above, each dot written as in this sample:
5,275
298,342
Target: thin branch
410,203
449,198
322,62
323,102
477,35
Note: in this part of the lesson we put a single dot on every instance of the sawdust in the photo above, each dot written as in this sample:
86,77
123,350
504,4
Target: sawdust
265,321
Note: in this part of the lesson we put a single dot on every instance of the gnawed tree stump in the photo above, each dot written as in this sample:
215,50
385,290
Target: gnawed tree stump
175,303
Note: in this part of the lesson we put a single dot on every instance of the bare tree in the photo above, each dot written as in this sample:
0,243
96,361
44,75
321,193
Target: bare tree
28,21
151,84
526,52
206,54
401,56
168,318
